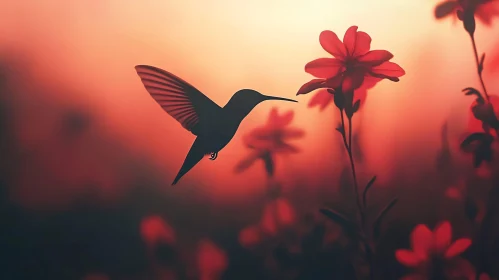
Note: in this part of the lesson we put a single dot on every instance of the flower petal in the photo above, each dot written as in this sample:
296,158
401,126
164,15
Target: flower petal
458,247
311,86
407,258
422,240
154,229
387,70
487,11
334,82
362,44
442,236
353,81
375,58
250,236
280,121
292,133
277,213
332,44
211,260
322,98
324,67
459,269
445,8
349,40
285,148
247,162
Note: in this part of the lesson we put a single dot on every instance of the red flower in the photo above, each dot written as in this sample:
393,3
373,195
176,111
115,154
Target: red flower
484,10
267,140
212,261
433,252
352,62
250,236
277,214
154,229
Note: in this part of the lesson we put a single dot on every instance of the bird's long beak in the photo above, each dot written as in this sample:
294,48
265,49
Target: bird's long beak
266,97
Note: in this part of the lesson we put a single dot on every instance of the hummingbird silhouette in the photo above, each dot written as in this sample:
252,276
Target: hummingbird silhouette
213,125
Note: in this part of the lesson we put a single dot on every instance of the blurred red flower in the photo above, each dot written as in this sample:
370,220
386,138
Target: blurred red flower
272,138
277,214
433,251
212,261
484,276
154,229
485,10
352,62
250,236
323,98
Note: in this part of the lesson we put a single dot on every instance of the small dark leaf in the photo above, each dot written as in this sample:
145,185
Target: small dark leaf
349,227
269,164
337,217
340,129
470,209
474,91
356,106
379,219
481,137
445,8
368,186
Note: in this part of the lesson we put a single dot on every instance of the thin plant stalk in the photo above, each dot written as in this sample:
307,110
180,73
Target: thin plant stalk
348,147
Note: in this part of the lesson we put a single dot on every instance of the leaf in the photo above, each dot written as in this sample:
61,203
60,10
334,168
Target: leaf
368,186
356,106
347,225
379,219
340,129
481,137
445,8
474,91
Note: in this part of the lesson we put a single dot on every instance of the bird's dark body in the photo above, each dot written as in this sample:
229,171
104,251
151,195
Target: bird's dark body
213,125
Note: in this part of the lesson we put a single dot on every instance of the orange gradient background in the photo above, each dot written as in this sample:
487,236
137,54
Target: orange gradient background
82,54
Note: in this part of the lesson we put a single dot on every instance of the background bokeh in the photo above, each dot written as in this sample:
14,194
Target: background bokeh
78,124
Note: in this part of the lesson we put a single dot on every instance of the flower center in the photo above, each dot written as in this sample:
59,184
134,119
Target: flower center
350,65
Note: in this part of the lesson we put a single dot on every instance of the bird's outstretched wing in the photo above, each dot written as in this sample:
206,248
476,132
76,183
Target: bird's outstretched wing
178,98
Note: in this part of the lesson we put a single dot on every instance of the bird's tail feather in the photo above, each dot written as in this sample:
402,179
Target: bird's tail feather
193,157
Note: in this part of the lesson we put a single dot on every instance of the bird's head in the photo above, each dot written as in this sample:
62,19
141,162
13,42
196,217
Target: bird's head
250,98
